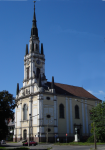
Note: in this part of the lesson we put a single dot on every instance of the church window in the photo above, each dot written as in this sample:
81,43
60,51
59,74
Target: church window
48,116
37,72
76,112
61,111
48,98
36,46
25,134
25,112
28,73
48,129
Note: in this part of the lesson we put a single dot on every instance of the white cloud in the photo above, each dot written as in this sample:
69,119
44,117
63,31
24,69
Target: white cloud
101,92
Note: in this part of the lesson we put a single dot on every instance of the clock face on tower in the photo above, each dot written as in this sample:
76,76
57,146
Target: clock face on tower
38,62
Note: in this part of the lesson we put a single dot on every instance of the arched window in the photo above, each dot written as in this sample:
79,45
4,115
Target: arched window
28,73
37,72
76,112
25,134
61,111
25,112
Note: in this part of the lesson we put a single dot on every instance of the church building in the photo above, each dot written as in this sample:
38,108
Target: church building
48,110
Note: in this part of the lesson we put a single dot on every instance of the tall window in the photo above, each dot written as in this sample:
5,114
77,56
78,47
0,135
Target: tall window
25,134
76,112
37,72
25,112
28,73
61,111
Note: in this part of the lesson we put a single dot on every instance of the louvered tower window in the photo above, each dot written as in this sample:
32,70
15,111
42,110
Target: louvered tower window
28,73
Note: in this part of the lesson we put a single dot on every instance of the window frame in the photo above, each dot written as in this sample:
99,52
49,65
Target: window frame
25,112
77,112
61,111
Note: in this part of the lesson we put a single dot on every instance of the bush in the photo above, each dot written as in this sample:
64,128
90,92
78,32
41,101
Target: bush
90,139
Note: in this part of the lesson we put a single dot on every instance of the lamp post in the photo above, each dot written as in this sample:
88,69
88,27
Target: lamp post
40,130
29,127
94,126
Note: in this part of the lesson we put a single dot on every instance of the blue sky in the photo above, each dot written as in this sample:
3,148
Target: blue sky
73,36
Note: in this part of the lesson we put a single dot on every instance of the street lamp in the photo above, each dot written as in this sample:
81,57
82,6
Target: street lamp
40,130
29,127
93,124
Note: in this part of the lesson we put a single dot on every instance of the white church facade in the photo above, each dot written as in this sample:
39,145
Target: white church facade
53,109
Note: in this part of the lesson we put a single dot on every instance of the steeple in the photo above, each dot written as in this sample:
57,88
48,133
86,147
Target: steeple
52,84
34,17
42,48
26,49
32,47
17,90
34,30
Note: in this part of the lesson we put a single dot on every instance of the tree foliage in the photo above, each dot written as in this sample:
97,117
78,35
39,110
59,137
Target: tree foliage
98,117
7,105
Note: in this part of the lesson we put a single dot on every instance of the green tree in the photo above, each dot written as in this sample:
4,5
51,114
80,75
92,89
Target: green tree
7,105
98,117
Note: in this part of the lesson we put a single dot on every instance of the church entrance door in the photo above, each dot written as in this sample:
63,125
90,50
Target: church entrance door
25,134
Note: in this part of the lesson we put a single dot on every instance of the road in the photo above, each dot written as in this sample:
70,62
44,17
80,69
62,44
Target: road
55,147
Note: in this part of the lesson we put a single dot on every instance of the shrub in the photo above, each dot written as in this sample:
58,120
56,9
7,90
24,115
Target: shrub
90,139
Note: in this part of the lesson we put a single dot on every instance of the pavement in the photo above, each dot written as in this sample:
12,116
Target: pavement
55,147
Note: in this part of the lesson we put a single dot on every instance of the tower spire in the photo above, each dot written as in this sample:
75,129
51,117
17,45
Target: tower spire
34,17
17,90
34,30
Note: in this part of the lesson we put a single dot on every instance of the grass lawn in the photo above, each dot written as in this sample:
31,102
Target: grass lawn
11,142
78,143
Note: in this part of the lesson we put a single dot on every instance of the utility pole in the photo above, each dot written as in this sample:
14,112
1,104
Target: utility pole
29,128
47,134
29,131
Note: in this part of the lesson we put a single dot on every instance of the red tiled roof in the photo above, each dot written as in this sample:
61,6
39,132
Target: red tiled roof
72,90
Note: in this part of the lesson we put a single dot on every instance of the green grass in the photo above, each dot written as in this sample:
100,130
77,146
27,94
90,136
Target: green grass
49,148
11,142
78,143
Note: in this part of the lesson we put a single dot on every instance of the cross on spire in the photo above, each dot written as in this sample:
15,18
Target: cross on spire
34,5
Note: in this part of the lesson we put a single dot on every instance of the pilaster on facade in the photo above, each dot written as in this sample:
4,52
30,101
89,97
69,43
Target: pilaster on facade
86,114
55,115
83,122
67,117
71,117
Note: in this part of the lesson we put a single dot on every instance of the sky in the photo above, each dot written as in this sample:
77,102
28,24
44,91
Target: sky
73,37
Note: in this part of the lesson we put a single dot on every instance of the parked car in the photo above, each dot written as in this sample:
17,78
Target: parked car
33,143
3,142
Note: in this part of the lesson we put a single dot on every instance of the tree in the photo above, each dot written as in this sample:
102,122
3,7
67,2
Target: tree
98,117
7,105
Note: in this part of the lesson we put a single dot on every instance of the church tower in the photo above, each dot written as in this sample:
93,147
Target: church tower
34,62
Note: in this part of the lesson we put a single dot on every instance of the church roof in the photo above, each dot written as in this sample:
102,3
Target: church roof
65,89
